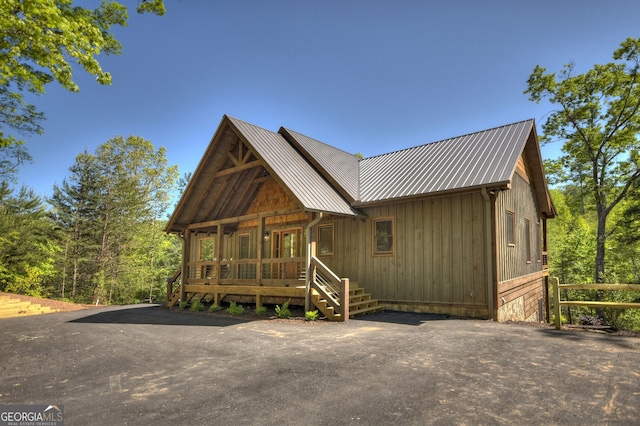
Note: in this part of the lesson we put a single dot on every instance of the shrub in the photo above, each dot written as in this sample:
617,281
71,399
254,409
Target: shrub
283,312
214,308
184,305
197,306
563,319
235,309
262,311
311,315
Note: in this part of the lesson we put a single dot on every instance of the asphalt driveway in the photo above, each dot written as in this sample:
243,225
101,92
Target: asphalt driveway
144,365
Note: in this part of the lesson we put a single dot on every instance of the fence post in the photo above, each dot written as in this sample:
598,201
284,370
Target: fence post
344,298
556,303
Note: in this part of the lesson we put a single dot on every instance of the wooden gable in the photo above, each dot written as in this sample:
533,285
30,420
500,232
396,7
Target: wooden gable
224,184
270,198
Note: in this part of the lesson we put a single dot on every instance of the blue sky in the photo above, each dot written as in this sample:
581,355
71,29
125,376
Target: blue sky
365,76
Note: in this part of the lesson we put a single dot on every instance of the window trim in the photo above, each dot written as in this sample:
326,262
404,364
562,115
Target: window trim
528,240
333,239
538,249
374,251
510,218
246,235
277,239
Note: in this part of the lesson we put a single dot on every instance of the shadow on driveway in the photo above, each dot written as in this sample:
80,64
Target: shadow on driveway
156,315
403,318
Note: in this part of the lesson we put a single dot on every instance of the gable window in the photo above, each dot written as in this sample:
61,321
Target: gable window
527,238
383,236
325,240
511,228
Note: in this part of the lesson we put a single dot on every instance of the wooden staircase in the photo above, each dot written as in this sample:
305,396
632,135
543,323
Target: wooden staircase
360,303
11,307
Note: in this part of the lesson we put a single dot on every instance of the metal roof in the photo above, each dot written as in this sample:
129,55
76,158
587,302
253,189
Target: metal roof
296,174
478,159
326,179
340,167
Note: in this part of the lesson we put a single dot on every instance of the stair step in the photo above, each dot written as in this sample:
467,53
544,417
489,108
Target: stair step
364,303
360,298
356,291
369,310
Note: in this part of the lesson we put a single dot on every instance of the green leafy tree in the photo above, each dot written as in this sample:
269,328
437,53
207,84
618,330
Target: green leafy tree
570,243
109,210
27,243
40,42
76,211
598,119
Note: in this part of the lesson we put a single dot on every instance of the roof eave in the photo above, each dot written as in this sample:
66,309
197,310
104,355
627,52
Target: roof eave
494,186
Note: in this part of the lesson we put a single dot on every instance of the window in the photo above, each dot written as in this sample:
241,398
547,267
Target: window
383,236
527,237
207,249
511,228
287,243
325,240
537,249
243,246
244,271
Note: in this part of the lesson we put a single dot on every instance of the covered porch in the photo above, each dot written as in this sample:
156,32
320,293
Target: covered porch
265,263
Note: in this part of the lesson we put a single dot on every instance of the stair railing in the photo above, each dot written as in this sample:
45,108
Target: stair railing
170,286
333,289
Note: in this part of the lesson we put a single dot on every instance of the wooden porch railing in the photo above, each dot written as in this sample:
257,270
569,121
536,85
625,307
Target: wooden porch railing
593,304
333,289
173,291
279,271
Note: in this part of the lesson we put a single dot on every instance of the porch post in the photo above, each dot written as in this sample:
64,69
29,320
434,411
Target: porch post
311,251
344,298
186,250
219,230
260,250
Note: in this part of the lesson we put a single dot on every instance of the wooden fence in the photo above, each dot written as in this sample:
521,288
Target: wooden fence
588,303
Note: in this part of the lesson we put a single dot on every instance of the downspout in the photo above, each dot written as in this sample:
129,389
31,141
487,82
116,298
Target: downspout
491,254
307,295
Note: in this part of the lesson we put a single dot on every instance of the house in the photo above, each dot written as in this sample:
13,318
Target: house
455,227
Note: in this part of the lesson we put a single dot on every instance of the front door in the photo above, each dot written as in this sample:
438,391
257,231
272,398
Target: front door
287,245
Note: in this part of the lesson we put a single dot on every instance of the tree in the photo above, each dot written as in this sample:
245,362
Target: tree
27,243
109,210
598,118
40,41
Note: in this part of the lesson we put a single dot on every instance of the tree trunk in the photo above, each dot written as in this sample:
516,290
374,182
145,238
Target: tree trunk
601,238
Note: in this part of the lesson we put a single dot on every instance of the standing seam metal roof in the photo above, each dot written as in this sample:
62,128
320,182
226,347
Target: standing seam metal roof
341,166
482,158
306,184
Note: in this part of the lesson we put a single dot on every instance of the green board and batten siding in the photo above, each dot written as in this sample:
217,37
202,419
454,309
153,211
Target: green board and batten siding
521,201
439,256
